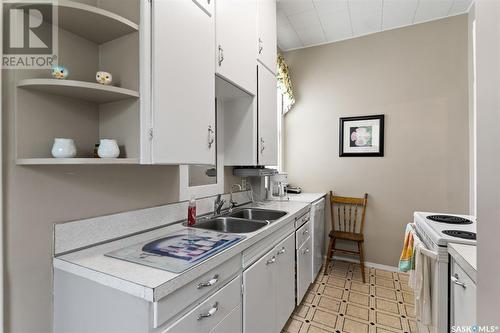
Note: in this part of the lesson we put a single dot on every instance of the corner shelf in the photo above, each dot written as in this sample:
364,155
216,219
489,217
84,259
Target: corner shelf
91,92
69,161
92,23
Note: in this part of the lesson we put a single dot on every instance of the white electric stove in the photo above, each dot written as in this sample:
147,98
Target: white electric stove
435,231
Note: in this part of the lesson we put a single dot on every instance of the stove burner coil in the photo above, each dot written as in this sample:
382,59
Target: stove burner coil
460,234
449,219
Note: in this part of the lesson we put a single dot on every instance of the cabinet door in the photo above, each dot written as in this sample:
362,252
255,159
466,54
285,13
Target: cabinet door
285,281
304,266
258,301
268,118
463,298
236,37
183,84
266,26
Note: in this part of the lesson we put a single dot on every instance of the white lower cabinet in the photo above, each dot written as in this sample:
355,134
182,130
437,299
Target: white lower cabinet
304,266
212,312
268,296
462,297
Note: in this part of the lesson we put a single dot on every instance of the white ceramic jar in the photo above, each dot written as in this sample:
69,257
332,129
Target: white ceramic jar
63,148
108,149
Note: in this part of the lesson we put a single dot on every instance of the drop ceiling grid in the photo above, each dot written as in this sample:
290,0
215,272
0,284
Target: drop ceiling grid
304,23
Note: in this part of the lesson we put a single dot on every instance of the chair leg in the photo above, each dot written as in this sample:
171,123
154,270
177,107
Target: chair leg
329,253
362,259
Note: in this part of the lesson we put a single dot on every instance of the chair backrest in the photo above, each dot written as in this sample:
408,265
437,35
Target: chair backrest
346,212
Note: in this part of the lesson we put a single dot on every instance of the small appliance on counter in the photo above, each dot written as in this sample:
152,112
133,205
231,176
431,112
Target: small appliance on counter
293,189
278,184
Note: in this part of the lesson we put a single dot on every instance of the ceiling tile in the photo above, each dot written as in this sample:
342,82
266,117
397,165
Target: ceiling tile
398,13
291,7
366,16
312,35
432,9
288,38
329,7
337,26
460,7
304,19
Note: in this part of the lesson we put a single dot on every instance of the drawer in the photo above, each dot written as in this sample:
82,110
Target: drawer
202,286
206,316
233,323
304,267
299,222
302,234
254,252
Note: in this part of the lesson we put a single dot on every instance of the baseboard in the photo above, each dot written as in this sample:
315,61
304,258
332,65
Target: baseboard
367,263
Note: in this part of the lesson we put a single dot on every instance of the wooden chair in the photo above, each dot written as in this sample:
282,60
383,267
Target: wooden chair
344,211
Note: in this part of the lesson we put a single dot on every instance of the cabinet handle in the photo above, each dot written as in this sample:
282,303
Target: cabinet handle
210,312
282,251
306,251
211,135
221,55
271,261
261,47
262,147
305,232
456,281
209,283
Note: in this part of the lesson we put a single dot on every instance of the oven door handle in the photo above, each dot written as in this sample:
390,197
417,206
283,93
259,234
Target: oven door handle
423,249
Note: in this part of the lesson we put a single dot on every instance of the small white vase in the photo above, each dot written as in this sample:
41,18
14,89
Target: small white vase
63,148
108,149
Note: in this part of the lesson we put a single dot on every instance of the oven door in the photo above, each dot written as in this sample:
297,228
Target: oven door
439,283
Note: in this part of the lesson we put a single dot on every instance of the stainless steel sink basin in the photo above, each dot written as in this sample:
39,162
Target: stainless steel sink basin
231,225
258,214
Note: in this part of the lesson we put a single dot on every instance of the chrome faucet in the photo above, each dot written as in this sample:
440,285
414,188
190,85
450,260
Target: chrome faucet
233,203
218,203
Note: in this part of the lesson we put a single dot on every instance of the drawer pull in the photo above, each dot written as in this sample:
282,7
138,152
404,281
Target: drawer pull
210,312
306,251
210,283
456,281
305,232
271,261
282,251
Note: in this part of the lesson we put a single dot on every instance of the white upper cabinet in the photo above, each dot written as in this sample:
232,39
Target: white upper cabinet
267,118
266,27
236,27
183,108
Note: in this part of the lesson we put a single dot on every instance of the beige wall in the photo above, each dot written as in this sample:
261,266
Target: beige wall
417,77
488,159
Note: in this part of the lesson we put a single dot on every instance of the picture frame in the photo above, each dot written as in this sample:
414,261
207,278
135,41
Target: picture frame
361,136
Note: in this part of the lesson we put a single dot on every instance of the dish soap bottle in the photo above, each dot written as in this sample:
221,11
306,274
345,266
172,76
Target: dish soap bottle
192,212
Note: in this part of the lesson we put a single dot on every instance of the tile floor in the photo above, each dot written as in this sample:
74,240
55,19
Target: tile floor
339,302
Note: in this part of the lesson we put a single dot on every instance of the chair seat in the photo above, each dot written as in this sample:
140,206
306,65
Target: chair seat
347,235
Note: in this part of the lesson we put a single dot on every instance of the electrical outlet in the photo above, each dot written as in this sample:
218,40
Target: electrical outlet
244,184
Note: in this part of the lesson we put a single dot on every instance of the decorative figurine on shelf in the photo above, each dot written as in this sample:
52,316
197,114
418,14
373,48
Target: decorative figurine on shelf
63,148
104,78
59,72
108,148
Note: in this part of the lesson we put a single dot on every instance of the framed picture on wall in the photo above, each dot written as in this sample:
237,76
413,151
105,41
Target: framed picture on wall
361,136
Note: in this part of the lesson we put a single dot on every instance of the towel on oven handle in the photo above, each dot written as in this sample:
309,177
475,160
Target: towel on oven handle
407,259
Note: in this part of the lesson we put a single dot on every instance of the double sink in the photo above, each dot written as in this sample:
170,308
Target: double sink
241,221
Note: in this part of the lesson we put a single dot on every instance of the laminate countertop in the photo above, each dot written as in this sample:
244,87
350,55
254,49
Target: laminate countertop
152,284
466,257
